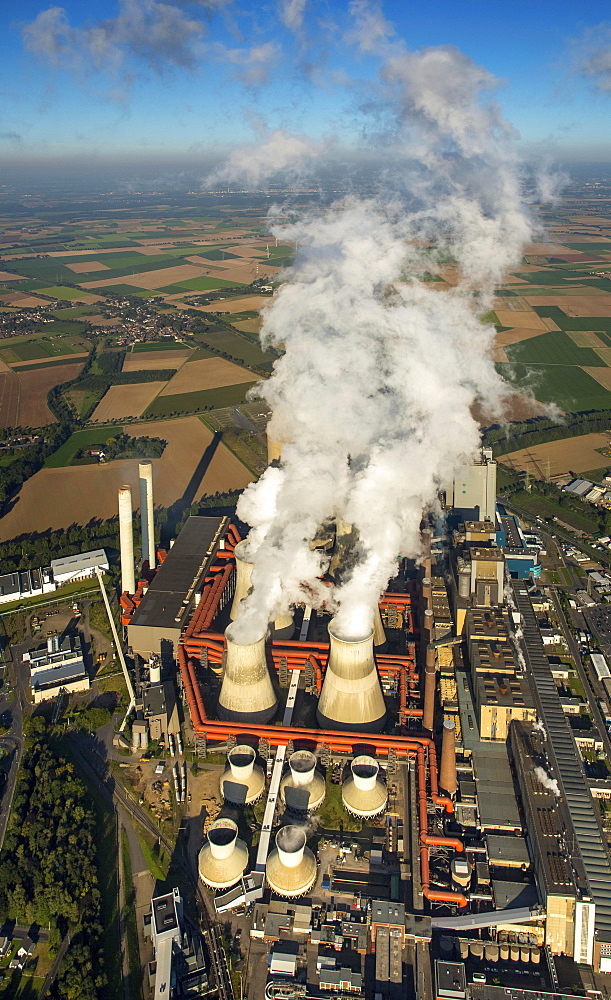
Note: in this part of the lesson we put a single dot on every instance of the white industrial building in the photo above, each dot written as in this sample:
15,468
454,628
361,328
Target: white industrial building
78,567
472,492
56,667
26,583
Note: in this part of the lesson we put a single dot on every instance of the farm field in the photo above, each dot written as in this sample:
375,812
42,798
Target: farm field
124,401
245,303
576,454
150,361
189,465
209,373
211,399
35,384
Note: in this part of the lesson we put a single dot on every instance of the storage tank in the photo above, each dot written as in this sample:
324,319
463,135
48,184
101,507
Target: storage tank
291,867
242,781
351,696
224,859
364,793
303,788
461,870
126,540
247,693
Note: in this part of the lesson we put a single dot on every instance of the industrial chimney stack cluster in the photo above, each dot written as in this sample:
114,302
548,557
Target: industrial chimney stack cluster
126,527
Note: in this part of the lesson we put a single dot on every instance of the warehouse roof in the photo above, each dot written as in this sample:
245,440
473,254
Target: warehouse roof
184,565
80,562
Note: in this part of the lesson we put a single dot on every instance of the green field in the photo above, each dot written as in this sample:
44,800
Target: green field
217,254
51,363
190,402
201,284
44,346
569,387
63,292
80,439
553,348
72,312
159,345
542,506
239,345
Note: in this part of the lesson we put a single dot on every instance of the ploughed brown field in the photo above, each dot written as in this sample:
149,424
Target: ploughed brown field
57,498
10,388
122,401
210,373
35,384
576,454
151,361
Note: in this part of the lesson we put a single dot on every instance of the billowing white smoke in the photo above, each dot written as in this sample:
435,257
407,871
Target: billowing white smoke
540,728
381,369
550,783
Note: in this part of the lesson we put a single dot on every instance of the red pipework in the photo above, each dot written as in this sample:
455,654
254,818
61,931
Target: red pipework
317,672
232,535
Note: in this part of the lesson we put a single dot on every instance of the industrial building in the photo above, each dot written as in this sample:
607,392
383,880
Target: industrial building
472,492
58,666
81,566
26,583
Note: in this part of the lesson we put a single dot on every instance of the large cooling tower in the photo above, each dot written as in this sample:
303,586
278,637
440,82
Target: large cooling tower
364,793
242,781
243,573
379,635
223,860
303,788
247,693
145,472
351,696
126,540
275,444
291,867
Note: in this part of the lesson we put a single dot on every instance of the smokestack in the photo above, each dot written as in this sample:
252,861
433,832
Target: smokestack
427,593
303,788
379,635
223,860
291,867
351,696
145,471
427,561
242,781
448,780
428,720
428,626
247,693
126,540
243,573
364,793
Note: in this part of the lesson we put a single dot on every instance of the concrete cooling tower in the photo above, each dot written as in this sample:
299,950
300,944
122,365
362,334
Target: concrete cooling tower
247,693
243,573
364,793
242,781
351,696
291,867
303,788
224,859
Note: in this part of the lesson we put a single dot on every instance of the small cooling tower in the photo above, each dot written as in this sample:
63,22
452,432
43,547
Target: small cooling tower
284,626
291,867
303,788
242,781
247,693
223,860
379,635
126,540
351,696
243,573
364,793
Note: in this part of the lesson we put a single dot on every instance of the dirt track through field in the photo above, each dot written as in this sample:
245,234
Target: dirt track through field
210,373
76,494
121,401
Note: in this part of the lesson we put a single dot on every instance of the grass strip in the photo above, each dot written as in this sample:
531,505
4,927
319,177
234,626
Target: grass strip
131,927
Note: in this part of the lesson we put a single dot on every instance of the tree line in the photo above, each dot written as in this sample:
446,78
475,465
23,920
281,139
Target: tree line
540,430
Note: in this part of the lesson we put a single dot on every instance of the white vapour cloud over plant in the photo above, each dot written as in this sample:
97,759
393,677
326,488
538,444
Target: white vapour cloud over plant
380,370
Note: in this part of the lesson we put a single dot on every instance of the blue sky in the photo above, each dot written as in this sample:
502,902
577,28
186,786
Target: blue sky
188,79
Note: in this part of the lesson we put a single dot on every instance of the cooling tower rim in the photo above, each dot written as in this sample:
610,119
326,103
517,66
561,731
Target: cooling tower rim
243,645
240,552
302,756
349,642
245,750
290,830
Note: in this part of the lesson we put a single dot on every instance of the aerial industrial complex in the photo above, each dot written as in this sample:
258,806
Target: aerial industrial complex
406,813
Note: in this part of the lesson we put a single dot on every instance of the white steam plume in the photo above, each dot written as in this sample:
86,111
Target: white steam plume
380,370
550,783
274,153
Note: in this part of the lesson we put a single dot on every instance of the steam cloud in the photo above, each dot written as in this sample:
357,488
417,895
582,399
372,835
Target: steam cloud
550,783
373,393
